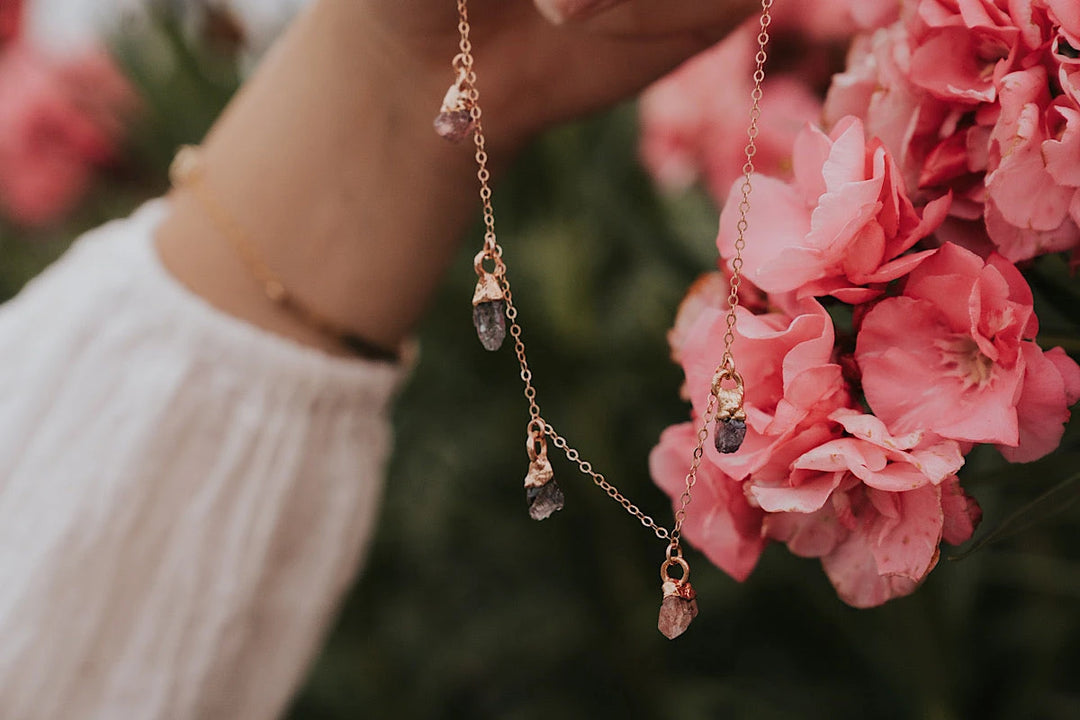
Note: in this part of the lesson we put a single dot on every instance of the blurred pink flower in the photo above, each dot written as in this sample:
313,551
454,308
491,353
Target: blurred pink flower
837,19
58,122
951,356
11,16
693,122
843,224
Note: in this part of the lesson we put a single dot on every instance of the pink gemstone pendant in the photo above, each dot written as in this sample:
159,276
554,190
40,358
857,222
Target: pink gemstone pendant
454,125
679,606
677,611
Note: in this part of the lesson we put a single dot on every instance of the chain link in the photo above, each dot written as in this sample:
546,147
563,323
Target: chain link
600,481
464,63
728,359
465,60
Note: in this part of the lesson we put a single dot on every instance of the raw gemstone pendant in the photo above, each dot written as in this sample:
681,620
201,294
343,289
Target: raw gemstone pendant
729,434
730,428
489,307
489,319
679,606
454,125
545,501
454,121
541,491
676,614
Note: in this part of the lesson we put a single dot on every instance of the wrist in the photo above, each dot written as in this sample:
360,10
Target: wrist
328,161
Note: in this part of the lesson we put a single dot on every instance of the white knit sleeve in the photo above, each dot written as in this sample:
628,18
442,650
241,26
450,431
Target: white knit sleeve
183,497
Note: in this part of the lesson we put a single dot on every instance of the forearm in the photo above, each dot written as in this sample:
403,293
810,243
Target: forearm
328,160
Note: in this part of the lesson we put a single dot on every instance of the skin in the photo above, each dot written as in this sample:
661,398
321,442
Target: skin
328,159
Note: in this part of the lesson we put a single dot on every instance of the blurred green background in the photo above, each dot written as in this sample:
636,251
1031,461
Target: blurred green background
468,609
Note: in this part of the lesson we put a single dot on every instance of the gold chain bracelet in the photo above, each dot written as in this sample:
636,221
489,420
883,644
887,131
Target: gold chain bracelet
187,173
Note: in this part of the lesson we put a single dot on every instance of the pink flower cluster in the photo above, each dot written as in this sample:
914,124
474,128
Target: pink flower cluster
60,120
960,156
981,99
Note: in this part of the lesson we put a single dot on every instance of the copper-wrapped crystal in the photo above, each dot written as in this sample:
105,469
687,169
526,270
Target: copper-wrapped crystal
454,121
489,319
729,434
730,428
541,490
489,308
454,125
545,501
679,606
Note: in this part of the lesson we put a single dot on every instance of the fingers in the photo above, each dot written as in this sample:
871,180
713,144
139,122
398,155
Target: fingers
641,19
559,11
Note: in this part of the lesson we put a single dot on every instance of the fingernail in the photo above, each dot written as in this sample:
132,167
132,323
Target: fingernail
559,11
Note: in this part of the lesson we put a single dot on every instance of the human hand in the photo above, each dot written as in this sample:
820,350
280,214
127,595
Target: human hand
329,161
542,62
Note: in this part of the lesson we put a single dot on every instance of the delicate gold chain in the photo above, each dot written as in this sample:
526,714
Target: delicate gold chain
726,369
464,63
586,468
493,252
728,360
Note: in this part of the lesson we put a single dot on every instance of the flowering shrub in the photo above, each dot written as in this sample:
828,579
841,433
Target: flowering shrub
949,152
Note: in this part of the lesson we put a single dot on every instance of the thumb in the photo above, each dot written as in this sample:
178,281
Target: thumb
560,11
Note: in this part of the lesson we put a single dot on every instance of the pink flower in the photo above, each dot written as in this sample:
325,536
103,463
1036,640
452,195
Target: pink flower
961,48
792,384
826,479
709,292
722,524
877,86
693,122
1027,210
873,507
844,223
1051,386
881,460
960,91
876,545
58,121
1066,15
950,357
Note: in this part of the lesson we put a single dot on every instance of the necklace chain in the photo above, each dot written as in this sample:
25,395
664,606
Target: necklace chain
493,253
